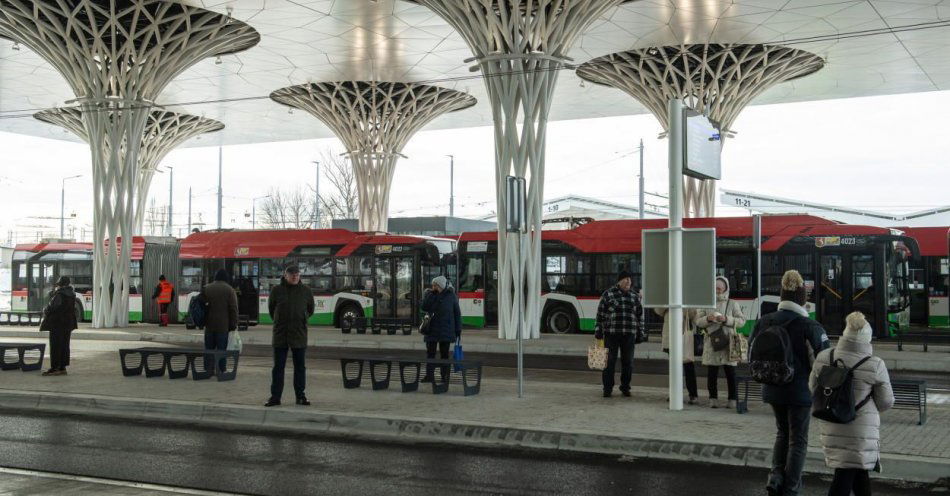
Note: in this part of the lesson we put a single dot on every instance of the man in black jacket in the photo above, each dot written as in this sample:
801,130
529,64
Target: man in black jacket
59,318
290,305
791,403
618,321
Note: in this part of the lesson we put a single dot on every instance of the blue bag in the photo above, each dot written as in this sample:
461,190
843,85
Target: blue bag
197,311
457,353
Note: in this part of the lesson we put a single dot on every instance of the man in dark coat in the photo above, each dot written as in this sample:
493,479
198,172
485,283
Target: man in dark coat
59,318
290,305
791,403
618,321
222,314
445,324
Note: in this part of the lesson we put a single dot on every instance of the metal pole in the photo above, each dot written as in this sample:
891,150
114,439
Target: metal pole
62,211
316,199
757,239
171,181
519,297
641,179
189,211
675,135
451,185
220,194
253,213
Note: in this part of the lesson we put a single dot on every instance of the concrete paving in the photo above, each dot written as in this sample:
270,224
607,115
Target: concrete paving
562,411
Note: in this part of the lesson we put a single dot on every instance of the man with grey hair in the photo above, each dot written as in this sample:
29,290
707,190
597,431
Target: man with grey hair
445,321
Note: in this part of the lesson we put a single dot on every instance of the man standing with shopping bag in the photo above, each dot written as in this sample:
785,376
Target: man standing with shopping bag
618,323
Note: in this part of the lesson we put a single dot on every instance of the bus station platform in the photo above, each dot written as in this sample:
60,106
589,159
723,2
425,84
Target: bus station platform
567,352
561,410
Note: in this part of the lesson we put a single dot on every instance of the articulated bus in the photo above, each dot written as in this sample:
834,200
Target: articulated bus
351,274
36,267
846,267
930,278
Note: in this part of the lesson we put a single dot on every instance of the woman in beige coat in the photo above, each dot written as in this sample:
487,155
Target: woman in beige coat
726,316
854,448
689,368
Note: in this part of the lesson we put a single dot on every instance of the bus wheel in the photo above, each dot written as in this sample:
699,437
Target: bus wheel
560,320
348,313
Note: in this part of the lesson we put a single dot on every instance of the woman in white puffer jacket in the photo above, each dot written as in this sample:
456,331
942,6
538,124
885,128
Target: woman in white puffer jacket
854,448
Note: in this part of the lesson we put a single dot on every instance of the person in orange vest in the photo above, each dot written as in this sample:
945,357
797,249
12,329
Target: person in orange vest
163,295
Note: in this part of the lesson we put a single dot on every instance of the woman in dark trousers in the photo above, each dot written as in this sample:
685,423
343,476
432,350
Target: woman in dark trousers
59,318
445,325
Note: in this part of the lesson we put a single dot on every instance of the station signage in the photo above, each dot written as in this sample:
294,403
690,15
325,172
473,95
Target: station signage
242,251
477,246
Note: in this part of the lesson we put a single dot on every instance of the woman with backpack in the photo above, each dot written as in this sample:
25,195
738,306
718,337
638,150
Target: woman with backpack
853,448
719,325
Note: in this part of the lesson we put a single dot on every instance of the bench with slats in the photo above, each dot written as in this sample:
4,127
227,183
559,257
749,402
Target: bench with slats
377,325
23,356
380,371
178,362
911,394
20,318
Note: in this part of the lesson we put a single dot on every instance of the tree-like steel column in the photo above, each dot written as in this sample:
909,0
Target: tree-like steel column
716,79
164,131
374,120
520,45
117,56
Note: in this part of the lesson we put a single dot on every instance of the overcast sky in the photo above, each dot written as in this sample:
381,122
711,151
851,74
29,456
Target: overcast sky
885,153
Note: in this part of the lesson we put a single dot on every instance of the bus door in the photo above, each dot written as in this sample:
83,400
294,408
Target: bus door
491,289
42,277
832,301
863,289
246,282
394,283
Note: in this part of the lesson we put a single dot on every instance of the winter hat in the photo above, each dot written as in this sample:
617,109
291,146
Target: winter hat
857,328
221,275
439,281
725,295
624,275
793,288
63,281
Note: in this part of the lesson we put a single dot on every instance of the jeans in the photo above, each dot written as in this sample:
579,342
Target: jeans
277,375
791,445
59,349
443,347
689,377
216,341
712,381
622,344
850,479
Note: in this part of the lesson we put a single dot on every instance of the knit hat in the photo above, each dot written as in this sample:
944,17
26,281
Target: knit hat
793,288
221,275
440,282
857,328
63,281
624,275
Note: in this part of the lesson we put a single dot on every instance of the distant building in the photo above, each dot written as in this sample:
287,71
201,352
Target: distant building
425,226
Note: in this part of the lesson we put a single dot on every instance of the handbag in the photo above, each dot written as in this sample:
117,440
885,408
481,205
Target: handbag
235,343
597,356
719,340
425,327
698,341
457,354
738,348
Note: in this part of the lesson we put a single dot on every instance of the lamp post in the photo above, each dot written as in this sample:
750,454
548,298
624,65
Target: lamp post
62,206
316,198
451,185
254,210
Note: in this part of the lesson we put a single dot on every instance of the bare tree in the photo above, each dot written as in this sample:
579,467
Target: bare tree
339,199
155,218
286,209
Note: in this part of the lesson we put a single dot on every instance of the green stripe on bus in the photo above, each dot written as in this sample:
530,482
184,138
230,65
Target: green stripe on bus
939,321
588,324
473,321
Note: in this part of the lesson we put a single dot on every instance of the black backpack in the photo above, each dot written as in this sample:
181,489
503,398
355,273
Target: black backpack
771,359
198,311
833,398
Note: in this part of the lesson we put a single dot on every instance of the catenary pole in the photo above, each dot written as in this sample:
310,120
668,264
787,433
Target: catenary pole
189,210
220,193
171,181
316,198
451,185
641,180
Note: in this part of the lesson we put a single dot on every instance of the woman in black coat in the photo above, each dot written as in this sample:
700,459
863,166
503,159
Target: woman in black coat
445,324
59,318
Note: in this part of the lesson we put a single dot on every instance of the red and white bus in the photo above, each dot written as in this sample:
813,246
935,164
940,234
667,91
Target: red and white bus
930,278
849,268
351,274
37,266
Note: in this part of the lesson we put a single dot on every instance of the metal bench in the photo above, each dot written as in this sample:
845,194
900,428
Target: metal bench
746,388
23,356
358,324
911,394
20,318
380,371
922,336
178,362
391,326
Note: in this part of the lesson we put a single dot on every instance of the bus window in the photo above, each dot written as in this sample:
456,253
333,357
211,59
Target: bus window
771,275
862,281
135,277
317,273
190,277
609,266
569,274
19,276
472,276
79,273
272,270
737,268
938,272
354,274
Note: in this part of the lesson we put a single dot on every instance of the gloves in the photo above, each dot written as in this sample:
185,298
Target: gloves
598,334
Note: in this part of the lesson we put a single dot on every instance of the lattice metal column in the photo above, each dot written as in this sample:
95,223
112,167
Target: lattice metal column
520,45
374,120
117,56
718,79
164,131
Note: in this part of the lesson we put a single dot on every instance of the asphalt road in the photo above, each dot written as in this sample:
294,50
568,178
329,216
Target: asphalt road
257,463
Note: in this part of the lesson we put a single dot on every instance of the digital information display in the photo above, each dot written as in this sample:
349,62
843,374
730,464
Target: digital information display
702,146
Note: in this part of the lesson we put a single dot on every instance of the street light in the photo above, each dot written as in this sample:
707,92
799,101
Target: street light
62,206
316,199
254,210
451,185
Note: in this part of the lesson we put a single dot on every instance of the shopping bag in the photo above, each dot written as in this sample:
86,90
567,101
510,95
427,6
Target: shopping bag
738,349
457,353
597,356
234,341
